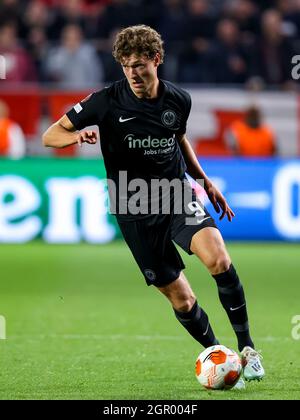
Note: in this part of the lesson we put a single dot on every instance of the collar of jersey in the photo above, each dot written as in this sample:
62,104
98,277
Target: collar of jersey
157,102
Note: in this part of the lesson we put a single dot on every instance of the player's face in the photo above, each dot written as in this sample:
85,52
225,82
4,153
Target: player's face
141,73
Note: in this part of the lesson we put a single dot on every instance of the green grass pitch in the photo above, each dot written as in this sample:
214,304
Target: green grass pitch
81,324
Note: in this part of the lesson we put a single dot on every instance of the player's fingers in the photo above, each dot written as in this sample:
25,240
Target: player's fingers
89,137
216,207
229,213
91,141
92,134
225,208
229,216
224,212
215,204
232,213
223,205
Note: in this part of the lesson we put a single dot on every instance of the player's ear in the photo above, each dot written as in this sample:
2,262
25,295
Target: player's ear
157,59
122,64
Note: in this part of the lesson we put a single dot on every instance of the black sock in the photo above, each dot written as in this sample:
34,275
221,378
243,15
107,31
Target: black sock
197,324
232,297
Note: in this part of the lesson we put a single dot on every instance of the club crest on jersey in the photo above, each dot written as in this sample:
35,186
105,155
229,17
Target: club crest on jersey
168,118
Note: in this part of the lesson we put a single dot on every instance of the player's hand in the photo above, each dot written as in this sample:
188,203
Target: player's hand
219,202
89,137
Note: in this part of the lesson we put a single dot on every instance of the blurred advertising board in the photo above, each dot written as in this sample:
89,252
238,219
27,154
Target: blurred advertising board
65,200
264,194
58,200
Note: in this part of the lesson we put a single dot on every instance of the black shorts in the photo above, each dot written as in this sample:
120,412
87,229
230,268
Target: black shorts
150,240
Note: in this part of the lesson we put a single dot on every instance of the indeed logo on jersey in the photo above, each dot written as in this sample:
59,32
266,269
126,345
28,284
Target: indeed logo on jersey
151,146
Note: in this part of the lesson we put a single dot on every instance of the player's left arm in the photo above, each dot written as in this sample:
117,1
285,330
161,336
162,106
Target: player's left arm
195,170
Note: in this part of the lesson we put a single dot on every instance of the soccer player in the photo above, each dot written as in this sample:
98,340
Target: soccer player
142,122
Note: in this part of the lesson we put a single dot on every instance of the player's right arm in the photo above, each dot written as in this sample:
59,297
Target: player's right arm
63,133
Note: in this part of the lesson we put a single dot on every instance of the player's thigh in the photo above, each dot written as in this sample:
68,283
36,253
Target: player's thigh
209,246
190,217
153,250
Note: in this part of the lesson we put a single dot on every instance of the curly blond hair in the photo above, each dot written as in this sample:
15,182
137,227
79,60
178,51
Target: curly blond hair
139,40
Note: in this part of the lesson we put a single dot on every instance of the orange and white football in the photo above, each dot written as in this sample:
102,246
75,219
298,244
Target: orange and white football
218,367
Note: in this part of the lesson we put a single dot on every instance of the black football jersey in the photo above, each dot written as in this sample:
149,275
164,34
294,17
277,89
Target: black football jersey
139,136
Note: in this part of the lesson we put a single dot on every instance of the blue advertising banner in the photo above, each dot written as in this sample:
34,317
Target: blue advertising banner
264,194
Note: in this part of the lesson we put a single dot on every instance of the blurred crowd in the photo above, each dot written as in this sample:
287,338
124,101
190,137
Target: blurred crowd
219,42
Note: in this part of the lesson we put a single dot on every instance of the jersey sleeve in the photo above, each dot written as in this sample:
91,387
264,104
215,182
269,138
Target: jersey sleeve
89,111
187,103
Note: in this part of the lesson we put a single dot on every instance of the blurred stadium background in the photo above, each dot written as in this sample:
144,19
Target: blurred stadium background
75,311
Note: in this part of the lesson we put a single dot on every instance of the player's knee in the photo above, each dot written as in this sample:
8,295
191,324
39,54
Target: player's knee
184,303
180,294
219,265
